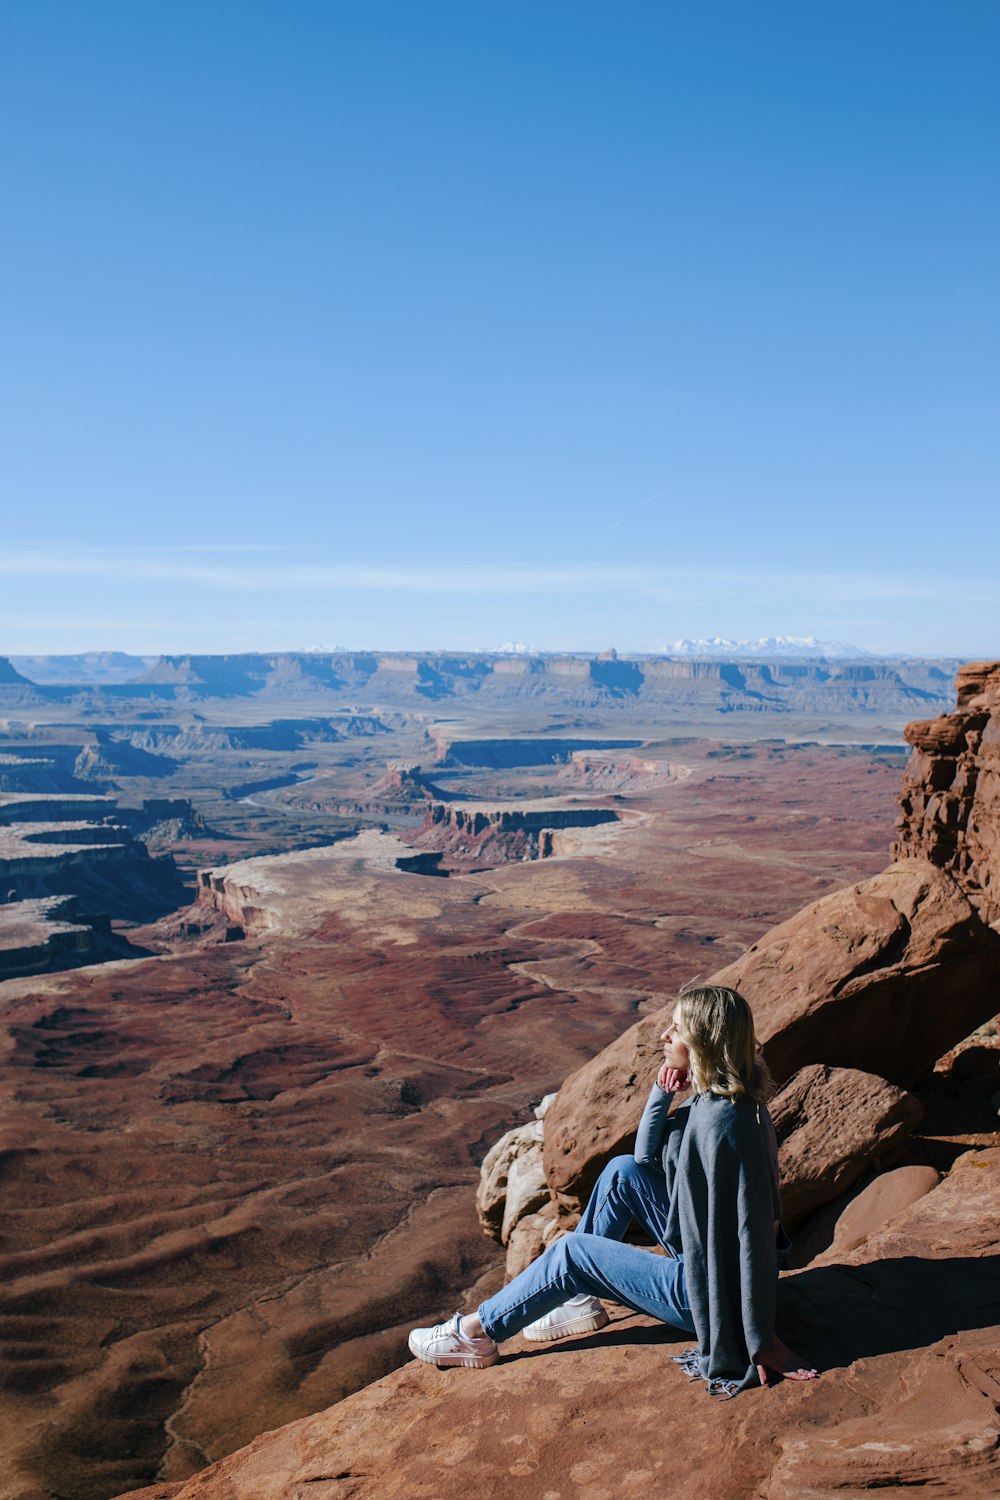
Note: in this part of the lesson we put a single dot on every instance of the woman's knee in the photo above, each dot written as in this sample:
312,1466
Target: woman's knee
622,1169
617,1167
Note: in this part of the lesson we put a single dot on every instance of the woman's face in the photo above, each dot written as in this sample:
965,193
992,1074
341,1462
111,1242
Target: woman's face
675,1052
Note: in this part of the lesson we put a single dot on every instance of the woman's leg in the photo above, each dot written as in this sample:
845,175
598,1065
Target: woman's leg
590,1263
627,1190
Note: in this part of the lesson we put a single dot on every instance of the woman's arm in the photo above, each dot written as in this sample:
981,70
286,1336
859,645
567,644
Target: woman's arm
656,1118
653,1127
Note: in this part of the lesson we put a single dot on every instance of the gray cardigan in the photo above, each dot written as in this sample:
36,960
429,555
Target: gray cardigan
720,1159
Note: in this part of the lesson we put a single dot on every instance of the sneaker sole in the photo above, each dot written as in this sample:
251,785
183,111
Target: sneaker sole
444,1361
589,1324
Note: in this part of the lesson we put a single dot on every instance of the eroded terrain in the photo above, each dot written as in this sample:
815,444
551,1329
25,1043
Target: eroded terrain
239,1168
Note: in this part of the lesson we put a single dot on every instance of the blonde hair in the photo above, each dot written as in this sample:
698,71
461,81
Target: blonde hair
716,1025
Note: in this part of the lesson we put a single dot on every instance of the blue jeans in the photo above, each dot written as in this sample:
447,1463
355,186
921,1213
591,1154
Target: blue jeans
591,1259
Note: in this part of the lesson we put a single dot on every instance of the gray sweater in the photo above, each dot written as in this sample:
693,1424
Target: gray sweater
720,1159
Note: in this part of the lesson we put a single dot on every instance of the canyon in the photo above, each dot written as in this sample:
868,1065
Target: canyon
242,1149
893,1195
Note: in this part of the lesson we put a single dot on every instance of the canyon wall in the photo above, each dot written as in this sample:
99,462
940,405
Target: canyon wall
69,863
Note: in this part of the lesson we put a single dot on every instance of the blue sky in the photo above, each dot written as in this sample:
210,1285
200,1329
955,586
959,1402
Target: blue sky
444,324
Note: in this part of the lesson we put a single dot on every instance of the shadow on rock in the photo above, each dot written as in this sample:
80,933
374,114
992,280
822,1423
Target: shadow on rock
615,1336
837,1314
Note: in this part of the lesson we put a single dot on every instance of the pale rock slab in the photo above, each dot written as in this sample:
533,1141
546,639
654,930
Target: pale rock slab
512,1180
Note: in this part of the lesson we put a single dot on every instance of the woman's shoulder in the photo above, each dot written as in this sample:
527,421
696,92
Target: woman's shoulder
721,1118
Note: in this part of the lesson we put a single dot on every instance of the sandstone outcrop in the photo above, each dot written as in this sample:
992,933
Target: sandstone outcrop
531,1235
512,1189
833,1125
884,976
486,836
512,1181
950,801
879,1203
903,1329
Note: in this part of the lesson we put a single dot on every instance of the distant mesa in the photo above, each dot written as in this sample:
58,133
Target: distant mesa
489,836
514,752
97,667
8,673
613,773
406,785
778,675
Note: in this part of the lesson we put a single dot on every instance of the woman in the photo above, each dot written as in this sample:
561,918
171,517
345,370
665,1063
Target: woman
704,1184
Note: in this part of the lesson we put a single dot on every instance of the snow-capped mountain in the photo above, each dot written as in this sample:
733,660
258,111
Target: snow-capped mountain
803,647
514,648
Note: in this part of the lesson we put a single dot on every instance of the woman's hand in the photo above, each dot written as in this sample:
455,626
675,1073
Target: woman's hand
778,1359
673,1080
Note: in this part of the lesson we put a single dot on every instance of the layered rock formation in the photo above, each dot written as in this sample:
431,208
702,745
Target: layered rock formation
39,936
658,685
487,836
733,686
56,845
950,804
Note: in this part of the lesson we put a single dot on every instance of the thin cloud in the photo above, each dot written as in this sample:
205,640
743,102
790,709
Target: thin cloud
458,578
671,585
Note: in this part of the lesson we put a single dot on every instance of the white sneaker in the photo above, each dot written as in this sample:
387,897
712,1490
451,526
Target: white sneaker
444,1345
580,1314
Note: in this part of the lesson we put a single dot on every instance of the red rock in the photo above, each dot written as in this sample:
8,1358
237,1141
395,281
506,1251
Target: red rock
880,1202
595,1113
833,1125
950,798
908,1393
883,976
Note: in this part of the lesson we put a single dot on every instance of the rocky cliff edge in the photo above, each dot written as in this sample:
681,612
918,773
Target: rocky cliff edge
900,1311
